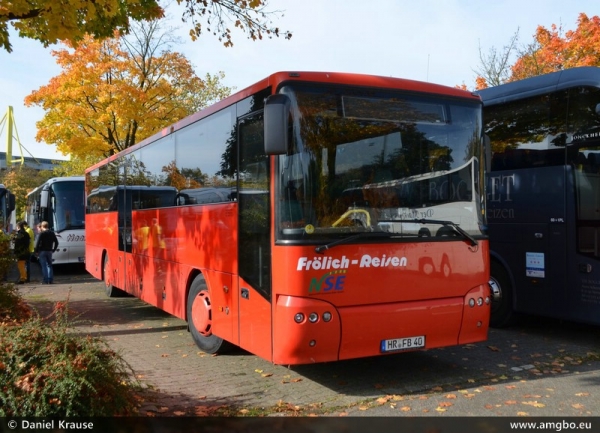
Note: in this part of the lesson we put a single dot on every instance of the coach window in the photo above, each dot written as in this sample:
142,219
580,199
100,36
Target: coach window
158,160
520,133
584,154
203,151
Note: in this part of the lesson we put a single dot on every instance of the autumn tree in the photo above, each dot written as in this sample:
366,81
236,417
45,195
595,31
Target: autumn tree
74,166
495,65
554,50
21,180
50,21
551,50
116,92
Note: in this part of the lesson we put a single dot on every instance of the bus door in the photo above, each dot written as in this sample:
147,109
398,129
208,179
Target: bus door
584,243
541,288
254,242
125,242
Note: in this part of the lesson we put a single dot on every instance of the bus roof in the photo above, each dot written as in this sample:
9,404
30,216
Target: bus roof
56,180
277,79
582,76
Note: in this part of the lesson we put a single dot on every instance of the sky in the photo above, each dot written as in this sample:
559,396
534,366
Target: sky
437,41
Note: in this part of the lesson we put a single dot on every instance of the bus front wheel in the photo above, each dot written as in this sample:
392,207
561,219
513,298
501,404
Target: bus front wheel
501,288
200,316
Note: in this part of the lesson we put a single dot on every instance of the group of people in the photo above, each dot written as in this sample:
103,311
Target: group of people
26,246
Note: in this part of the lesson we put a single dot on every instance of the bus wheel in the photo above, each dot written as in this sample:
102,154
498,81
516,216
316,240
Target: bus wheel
501,288
199,317
110,289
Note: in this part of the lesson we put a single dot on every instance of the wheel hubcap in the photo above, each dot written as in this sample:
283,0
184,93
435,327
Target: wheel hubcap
202,314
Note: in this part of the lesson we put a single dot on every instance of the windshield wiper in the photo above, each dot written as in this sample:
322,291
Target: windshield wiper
321,248
452,224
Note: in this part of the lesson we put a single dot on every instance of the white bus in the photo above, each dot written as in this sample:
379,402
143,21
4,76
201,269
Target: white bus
61,202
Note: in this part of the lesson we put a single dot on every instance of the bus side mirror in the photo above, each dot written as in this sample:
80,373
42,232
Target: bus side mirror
277,114
44,199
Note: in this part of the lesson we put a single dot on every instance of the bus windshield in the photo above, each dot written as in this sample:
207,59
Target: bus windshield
378,161
67,205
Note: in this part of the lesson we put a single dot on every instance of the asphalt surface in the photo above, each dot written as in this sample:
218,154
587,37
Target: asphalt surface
537,368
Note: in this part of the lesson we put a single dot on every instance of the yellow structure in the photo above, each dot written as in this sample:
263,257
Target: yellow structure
8,121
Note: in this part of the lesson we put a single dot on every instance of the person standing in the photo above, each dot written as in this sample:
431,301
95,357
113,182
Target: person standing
31,249
22,251
45,245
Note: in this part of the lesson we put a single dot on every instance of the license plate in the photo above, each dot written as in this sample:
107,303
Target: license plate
407,343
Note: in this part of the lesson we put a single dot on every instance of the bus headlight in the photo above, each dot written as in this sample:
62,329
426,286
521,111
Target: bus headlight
313,317
327,316
471,302
299,318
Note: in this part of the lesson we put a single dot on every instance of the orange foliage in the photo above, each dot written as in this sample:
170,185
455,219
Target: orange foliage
552,51
105,100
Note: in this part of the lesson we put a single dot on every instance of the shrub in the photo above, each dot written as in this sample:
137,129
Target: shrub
45,371
7,258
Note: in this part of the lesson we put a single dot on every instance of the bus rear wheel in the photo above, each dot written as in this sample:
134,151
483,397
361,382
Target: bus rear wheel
200,316
109,288
501,309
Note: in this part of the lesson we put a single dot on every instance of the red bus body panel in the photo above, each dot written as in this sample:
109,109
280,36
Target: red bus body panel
423,296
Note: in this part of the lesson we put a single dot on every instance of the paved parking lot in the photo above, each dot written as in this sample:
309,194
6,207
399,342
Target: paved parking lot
538,368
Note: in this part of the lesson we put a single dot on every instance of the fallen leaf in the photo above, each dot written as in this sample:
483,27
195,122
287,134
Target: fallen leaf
533,403
509,402
522,414
440,409
578,406
405,409
582,394
445,404
493,348
267,374
450,396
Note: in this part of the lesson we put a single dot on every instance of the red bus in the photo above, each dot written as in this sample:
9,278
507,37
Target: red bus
311,217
